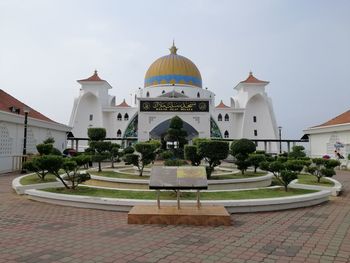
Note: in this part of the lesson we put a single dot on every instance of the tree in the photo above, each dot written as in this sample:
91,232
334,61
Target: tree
321,167
114,153
49,140
44,148
71,167
101,152
53,164
176,134
99,148
96,134
284,172
191,153
297,152
37,166
243,146
240,150
55,151
146,155
213,152
255,160
129,150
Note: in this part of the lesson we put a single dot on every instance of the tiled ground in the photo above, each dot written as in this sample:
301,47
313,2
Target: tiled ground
42,233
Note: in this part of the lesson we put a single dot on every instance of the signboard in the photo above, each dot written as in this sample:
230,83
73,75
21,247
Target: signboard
174,106
178,178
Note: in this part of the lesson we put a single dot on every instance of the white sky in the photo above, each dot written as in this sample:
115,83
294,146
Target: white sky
301,47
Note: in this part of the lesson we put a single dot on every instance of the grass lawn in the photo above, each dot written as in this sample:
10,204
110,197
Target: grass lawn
170,195
237,175
34,179
117,175
310,179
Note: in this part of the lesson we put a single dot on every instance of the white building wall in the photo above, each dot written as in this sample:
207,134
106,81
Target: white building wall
87,104
12,136
322,140
149,120
250,100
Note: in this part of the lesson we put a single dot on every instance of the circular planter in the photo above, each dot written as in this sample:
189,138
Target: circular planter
226,184
335,190
232,206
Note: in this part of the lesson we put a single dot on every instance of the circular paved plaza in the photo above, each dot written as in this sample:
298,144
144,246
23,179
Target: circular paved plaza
41,233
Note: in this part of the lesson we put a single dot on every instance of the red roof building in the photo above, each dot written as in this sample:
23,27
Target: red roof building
12,105
253,80
221,105
123,104
94,77
343,118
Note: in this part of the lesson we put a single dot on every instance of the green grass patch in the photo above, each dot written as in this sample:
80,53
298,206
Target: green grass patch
113,174
312,180
170,195
34,179
238,175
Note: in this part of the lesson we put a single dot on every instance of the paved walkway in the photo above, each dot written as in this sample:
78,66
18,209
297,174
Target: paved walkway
39,233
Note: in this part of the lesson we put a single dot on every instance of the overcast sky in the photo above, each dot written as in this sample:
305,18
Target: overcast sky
301,47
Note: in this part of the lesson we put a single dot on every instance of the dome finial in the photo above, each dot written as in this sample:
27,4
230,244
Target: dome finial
173,49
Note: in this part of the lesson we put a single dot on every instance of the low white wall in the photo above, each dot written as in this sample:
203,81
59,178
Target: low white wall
335,190
242,183
20,189
232,206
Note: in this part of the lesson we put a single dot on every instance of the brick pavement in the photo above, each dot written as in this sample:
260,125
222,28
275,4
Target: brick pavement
42,233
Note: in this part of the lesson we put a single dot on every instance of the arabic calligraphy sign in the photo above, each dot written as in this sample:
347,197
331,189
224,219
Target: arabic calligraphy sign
183,106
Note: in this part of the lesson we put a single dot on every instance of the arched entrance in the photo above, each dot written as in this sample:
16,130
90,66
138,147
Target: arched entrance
160,130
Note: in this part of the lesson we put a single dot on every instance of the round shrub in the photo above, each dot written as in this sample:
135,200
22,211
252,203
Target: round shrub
175,162
167,155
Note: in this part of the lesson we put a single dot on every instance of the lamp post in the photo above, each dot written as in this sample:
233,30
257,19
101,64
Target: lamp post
26,111
280,137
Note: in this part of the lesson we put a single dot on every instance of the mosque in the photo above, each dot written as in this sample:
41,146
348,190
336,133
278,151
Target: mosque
173,86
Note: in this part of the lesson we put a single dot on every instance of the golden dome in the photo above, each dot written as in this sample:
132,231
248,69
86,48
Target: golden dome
173,69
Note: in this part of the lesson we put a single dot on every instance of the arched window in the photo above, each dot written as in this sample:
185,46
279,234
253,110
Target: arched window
227,118
119,117
126,117
226,135
198,95
147,94
119,133
163,91
135,99
220,117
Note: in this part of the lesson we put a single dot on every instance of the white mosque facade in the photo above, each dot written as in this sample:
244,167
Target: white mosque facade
173,86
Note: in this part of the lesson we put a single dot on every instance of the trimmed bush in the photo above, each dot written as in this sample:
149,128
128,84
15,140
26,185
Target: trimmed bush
96,134
175,162
44,148
191,154
240,150
129,150
213,152
167,155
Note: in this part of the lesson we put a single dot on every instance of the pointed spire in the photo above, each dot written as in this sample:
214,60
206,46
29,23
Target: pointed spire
173,49
123,104
94,77
222,105
253,80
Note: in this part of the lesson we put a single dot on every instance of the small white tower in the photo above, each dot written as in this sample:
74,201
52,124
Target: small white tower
258,120
88,107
